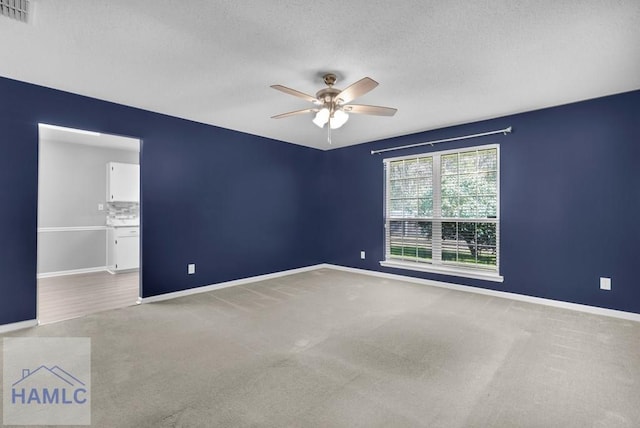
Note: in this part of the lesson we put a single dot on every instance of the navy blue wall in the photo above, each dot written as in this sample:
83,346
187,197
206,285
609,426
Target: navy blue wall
237,205
18,214
570,201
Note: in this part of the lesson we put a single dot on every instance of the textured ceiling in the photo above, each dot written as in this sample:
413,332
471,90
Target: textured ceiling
439,63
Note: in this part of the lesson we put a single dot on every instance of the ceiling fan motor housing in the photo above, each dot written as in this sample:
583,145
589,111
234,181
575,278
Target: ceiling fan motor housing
328,95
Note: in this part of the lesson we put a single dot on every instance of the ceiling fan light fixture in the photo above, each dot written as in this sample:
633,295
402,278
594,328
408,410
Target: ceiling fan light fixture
332,104
322,116
339,118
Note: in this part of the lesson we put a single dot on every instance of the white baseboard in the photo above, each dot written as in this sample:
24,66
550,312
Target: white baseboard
631,316
116,272
72,272
205,288
6,328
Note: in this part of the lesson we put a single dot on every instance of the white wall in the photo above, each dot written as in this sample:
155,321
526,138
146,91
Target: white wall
71,184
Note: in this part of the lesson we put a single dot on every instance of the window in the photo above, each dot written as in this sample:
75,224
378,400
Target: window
442,212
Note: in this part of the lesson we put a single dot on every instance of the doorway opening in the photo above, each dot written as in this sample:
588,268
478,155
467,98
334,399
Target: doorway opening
88,222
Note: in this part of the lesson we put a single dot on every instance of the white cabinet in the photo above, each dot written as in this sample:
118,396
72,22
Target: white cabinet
123,182
123,252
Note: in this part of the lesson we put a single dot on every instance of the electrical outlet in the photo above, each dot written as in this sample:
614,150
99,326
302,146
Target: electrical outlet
362,255
100,207
605,283
191,268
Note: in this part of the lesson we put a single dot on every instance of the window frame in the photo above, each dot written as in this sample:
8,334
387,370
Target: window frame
435,265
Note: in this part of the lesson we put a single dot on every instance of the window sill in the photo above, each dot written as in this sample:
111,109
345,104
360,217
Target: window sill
444,270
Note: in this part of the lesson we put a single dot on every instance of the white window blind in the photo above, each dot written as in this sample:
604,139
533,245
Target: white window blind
15,9
442,212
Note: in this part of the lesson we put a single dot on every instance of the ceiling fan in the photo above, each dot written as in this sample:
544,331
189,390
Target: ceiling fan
332,104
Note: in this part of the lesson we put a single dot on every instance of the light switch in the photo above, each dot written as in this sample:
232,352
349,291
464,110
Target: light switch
191,268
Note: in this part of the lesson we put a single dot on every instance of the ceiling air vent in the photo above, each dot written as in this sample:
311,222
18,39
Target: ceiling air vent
15,9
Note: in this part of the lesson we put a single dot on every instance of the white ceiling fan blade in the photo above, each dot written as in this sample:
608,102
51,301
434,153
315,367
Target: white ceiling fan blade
293,113
295,93
357,89
372,110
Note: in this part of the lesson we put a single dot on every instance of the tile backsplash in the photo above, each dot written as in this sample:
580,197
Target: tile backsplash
122,210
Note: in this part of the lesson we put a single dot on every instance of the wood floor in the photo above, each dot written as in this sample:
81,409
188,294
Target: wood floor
72,296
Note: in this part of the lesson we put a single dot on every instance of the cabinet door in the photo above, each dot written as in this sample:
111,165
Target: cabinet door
127,253
123,182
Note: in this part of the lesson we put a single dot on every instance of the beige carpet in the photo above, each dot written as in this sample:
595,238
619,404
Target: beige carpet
334,349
